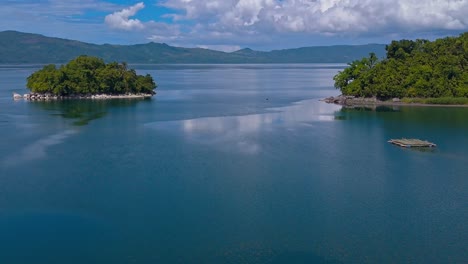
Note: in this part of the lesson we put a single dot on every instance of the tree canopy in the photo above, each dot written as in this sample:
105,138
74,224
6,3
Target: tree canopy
89,75
420,68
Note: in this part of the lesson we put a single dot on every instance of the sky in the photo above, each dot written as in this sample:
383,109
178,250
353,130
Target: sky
229,25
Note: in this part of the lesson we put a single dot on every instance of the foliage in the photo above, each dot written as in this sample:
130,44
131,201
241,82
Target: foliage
89,75
419,68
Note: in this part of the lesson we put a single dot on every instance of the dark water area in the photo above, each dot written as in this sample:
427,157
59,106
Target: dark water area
229,164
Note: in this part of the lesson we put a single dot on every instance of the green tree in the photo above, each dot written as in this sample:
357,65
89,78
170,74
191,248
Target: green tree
419,68
89,75
349,81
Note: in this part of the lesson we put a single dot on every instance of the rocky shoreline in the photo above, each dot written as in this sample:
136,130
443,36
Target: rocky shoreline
352,100
49,97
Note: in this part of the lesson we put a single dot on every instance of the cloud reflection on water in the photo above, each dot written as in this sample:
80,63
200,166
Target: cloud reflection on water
242,132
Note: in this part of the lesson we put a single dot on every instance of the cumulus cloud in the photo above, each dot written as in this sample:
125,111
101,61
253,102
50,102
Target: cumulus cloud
324,16
121,19
222,24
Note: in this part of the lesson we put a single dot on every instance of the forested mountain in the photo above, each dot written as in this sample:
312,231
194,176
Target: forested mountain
420,68
18,47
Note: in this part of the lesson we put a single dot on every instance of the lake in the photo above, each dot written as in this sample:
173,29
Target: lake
229,164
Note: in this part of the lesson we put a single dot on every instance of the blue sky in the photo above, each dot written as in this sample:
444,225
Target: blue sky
232,24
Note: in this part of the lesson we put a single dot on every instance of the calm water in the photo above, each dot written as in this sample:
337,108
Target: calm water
229,164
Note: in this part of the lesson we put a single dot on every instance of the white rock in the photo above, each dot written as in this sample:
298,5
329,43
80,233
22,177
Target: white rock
17,96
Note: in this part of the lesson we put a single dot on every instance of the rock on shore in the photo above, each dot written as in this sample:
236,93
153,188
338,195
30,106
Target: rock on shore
351,100
17,96
48,96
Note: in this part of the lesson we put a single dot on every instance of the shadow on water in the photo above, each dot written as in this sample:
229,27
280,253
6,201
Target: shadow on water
344,112
300,257
428,116
444,126
265,255
84,111
380,108
420,149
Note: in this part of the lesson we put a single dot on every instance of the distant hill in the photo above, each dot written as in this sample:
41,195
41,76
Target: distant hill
18,47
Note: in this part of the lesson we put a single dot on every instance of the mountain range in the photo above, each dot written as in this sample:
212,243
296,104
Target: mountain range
19,47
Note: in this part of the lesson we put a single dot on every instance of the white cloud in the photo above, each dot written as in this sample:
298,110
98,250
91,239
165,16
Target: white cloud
260,24
221,24
325,16
121,19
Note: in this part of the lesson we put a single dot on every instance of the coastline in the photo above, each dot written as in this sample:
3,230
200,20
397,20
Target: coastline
49,97
351,101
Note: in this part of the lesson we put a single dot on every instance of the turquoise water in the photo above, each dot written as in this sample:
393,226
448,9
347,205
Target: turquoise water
229,164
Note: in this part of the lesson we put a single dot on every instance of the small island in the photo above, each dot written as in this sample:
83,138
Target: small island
413,72
88,77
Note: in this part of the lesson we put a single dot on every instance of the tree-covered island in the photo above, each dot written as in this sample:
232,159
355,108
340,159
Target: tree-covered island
87,77
433,72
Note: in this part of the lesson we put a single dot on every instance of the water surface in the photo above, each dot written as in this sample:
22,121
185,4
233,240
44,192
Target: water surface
229,164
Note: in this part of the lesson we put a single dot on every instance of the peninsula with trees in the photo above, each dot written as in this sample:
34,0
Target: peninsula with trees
88,77
420,71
